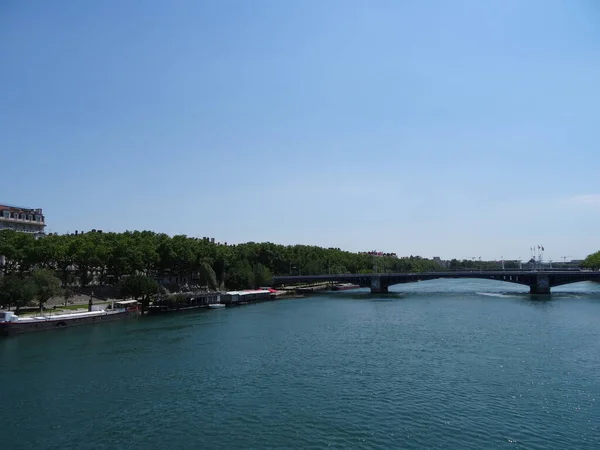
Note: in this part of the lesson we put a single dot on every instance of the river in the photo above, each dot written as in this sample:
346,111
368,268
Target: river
439,364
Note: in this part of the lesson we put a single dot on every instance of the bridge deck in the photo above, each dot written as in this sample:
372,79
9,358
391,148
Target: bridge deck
538,281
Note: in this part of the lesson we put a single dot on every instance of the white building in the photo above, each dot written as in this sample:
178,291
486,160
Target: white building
27,220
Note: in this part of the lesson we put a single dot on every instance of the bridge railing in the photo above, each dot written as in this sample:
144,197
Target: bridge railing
439,273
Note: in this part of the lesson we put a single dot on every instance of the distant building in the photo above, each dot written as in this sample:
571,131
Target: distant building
378,253
441,262
26,220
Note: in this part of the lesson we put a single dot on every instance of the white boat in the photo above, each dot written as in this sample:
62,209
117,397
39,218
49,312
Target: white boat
216,305
12,324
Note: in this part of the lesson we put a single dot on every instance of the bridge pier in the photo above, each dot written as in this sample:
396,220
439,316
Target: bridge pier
377,287
538,290
541,285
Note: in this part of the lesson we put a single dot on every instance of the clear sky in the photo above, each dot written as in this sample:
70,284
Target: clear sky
461,128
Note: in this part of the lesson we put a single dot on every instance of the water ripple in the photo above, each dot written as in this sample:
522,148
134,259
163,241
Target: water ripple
438,366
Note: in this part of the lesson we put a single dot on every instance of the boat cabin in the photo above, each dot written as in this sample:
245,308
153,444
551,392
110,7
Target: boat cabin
130,305
241,297
8,316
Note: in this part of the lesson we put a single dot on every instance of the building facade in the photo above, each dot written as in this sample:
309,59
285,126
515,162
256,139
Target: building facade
27,220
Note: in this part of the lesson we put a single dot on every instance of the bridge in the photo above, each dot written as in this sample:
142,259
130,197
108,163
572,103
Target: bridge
539,282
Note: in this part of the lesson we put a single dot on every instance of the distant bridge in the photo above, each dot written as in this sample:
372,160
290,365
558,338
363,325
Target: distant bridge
539,282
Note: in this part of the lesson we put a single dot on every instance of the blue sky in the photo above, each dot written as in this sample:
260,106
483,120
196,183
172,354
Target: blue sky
453,129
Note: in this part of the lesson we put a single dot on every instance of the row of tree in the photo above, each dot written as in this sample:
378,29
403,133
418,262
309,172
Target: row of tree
20,290
592,261
38,269
107,258
475,264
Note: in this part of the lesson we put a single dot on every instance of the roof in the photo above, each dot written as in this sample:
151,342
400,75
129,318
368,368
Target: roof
19,208
248,292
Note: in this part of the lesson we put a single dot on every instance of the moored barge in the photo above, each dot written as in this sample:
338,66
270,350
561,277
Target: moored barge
11,324
191,302
232,298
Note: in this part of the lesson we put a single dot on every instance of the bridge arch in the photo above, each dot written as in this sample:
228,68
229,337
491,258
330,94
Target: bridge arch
509,279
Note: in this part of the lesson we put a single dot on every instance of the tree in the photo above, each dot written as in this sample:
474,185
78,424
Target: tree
139,287
240,275
592,261
15,290
45,286
17,249
67,294
109,258
63,254
262,276
207,275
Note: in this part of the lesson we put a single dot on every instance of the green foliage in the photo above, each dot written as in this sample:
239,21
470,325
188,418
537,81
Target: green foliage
592,261
262,276
20,290
240,275
67,294
207,276
475,264
175,300
45,285
15,290
110,258
138,286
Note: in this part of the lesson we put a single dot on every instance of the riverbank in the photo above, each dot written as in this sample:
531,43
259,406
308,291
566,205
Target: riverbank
308,288
189,302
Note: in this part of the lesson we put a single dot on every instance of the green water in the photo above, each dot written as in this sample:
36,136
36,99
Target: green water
446,364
